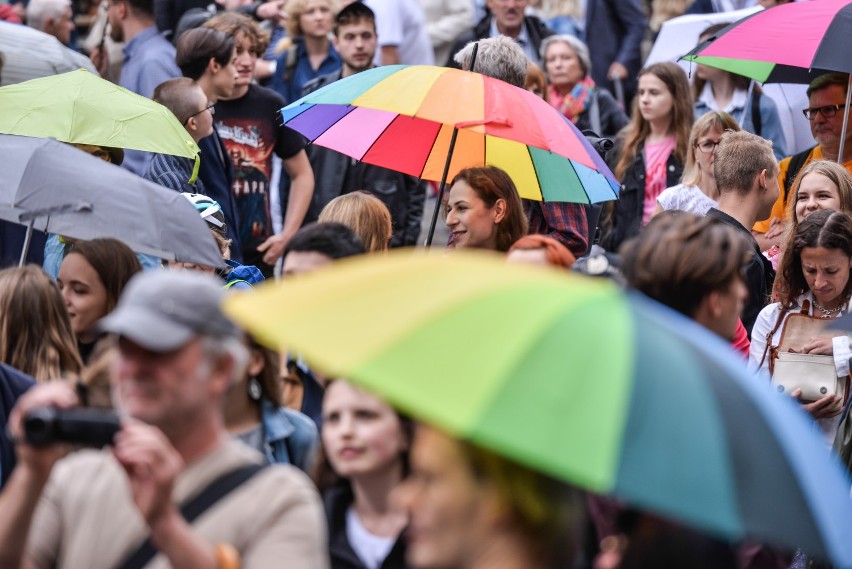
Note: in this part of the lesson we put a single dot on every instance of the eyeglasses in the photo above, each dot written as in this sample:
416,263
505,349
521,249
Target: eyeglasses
707,146
827,111
209,107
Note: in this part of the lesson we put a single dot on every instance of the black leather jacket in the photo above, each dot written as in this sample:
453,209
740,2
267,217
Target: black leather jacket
626,219
536,29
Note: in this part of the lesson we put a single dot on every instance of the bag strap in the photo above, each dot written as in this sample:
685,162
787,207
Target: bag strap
781,313
595,114
796,164
194,507
756,118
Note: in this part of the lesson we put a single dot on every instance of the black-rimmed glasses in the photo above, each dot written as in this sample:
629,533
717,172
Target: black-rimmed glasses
707,146
827,111
210,107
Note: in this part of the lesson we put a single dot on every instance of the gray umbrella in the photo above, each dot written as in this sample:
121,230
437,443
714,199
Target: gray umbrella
28,54
56,188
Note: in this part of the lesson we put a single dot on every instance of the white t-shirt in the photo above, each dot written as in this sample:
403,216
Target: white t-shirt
401,23
371,549
686,198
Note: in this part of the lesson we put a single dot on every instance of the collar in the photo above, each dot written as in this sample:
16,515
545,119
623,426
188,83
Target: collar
738,100
276,424
523,37
141,38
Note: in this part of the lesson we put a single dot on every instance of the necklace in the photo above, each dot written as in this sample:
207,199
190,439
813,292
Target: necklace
826,313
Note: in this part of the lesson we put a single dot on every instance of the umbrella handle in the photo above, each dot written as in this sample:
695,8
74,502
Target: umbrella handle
26,248
845,122
440,199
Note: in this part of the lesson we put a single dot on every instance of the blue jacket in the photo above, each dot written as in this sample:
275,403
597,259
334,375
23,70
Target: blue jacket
291,437
614,32
13,384
770,122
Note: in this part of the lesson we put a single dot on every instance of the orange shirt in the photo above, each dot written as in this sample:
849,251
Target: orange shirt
779,209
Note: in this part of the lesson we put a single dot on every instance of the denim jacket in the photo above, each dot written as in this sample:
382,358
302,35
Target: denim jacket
770,129
290,436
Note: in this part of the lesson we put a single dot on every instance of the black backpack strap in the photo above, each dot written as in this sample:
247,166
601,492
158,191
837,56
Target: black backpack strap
756,119
194,507
797,162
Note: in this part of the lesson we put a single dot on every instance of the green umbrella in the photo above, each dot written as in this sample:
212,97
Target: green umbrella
572,377
81,108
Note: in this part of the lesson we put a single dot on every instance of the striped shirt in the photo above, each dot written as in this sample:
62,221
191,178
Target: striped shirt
173,172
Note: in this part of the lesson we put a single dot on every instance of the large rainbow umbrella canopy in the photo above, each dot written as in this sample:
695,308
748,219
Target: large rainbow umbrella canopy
403,117
573,377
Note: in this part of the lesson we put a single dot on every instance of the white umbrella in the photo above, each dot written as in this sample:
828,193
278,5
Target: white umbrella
29,54
679,35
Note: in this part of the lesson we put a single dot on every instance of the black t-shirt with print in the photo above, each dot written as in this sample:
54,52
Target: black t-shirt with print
251,131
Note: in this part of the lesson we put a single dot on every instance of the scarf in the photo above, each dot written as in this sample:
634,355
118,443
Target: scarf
574,103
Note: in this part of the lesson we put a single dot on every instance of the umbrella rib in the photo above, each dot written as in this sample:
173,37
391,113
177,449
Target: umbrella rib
376,139
537,177
431,150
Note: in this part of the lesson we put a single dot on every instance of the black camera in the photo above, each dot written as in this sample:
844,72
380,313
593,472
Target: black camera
81,426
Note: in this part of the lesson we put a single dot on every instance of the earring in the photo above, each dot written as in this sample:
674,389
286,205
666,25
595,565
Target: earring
254,389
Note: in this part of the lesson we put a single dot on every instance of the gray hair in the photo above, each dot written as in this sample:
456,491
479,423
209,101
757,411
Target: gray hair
39,11
581,50
499,57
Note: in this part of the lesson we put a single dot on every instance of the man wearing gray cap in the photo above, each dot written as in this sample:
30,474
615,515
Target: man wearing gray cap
177,357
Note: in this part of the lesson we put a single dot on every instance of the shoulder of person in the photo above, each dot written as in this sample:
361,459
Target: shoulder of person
267,95
319,82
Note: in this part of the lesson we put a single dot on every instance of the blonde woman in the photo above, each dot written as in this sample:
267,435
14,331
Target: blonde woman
364,214
697,191
35,332
308,52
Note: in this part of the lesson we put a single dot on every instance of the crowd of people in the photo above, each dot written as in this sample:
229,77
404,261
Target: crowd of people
231,454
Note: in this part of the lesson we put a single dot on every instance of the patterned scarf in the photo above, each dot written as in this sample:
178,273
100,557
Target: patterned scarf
574,103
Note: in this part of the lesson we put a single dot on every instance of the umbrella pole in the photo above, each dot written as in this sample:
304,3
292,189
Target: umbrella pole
845,121
27,240
440,200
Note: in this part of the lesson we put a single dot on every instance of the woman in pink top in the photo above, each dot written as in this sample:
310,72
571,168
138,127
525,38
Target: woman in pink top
650,151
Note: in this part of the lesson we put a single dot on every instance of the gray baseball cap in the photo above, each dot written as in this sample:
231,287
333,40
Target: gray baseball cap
161,310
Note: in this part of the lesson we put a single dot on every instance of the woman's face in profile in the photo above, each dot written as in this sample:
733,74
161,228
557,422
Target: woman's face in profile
447,504
83,292
471,222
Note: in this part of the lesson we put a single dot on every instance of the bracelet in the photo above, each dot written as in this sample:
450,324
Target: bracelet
227,556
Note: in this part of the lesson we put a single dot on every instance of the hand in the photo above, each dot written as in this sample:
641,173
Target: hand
152,465
821,345
821,408
777,228
617,71
270,10
40,460
273,248
100,59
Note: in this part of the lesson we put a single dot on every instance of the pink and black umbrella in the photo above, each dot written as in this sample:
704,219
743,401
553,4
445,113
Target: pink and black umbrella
791,43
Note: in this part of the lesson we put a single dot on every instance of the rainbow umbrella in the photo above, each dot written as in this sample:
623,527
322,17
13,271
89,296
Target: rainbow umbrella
575,378
431,122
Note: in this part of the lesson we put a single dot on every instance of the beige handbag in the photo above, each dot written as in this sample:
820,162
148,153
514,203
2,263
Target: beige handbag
814,374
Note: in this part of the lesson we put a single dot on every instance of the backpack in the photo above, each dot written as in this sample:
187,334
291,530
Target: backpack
797,162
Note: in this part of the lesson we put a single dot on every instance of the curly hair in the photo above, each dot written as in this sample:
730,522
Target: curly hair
827,229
